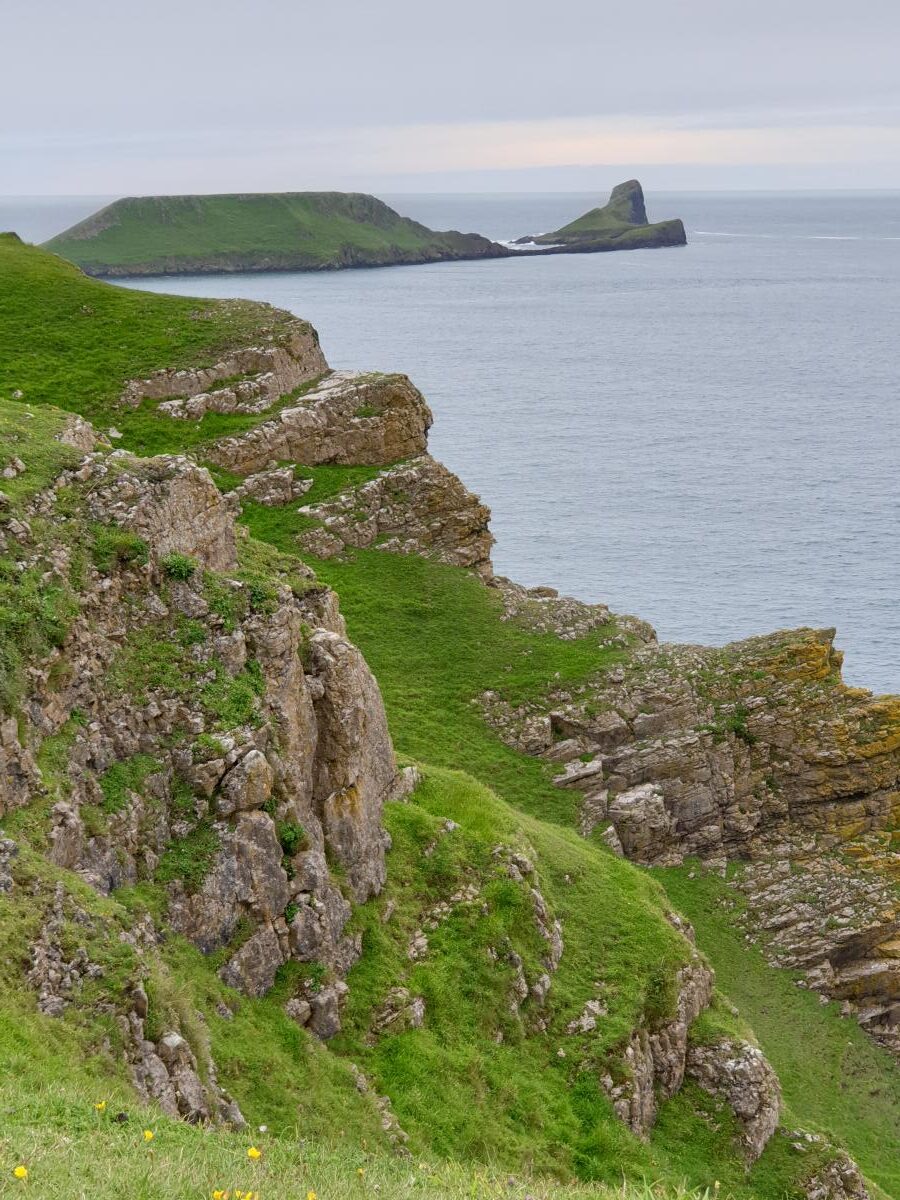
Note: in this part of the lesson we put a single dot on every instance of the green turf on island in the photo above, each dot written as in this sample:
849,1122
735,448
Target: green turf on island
621,224
266,231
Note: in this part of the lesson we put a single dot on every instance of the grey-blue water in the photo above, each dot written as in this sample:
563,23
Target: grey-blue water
708,437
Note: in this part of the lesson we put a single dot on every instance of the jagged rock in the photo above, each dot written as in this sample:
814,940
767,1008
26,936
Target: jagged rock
400,1010
644,827
354,764
252,970
655,1060
348,418
272,488
545,611
740,1074
172,504
275,370
418,507
247,785
298,1010
53,974
8,851
841,1179
325,1021
586,1021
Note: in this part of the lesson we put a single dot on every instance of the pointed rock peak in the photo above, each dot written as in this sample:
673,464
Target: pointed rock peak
626,201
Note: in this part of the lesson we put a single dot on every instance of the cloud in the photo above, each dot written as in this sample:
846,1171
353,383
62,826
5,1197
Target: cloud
210,160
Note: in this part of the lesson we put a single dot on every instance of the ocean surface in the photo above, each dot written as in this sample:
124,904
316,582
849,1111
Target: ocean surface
708,437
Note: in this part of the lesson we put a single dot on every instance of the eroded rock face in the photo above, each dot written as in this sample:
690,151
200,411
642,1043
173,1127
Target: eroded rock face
349,418
755,751
269,370
203,754
170,502
741,1075
758,737
841,1179
655,1059
354,769
418,507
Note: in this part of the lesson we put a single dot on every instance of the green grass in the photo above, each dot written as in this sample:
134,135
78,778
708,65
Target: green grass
834,1078
265,231
74,342
432,634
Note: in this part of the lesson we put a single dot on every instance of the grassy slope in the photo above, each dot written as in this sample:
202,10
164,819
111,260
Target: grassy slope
304,229
73,342
833,1076
435,640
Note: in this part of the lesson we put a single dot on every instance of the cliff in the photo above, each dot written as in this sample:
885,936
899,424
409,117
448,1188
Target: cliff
288,231
263,858
620,224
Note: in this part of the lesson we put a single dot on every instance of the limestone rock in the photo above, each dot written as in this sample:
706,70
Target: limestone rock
841,1179
273,370
418,507
741,1075
172,504
348,418
252,970
354,762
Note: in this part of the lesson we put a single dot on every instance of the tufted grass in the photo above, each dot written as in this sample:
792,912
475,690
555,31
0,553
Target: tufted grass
833,1077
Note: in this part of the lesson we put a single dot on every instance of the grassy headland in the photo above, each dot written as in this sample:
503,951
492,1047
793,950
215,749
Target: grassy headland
435,638
268,231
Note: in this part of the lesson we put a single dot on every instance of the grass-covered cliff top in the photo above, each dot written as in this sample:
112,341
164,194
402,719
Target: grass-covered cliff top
435,638
620,224
301,231
73,342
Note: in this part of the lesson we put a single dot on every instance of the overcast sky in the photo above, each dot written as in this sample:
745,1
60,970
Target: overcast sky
120,97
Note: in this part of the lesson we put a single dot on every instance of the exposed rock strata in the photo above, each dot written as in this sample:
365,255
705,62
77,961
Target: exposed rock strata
269,371
758,737
417,507
349,418
313,757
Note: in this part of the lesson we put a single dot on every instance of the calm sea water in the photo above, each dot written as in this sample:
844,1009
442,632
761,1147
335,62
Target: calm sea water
708,437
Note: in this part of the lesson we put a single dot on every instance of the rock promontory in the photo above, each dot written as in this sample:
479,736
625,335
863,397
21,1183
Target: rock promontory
620,224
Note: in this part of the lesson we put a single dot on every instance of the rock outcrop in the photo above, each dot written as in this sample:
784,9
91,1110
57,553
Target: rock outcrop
418,507
349,418
221,739
741,1075
620,224
246,380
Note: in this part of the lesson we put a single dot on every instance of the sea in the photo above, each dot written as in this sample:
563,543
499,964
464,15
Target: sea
707,436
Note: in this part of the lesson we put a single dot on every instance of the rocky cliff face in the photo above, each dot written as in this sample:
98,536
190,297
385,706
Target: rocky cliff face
757,751
217,734
205,725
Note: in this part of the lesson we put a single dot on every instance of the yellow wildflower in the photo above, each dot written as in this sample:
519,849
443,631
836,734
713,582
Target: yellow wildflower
254,1154
311,1196
148,1135
100,1106
219,1194
360,1171
21,1172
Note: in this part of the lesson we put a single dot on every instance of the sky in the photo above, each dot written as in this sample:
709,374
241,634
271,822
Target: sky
163,96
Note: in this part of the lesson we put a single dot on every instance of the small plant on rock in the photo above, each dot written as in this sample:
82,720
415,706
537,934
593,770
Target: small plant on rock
179,566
